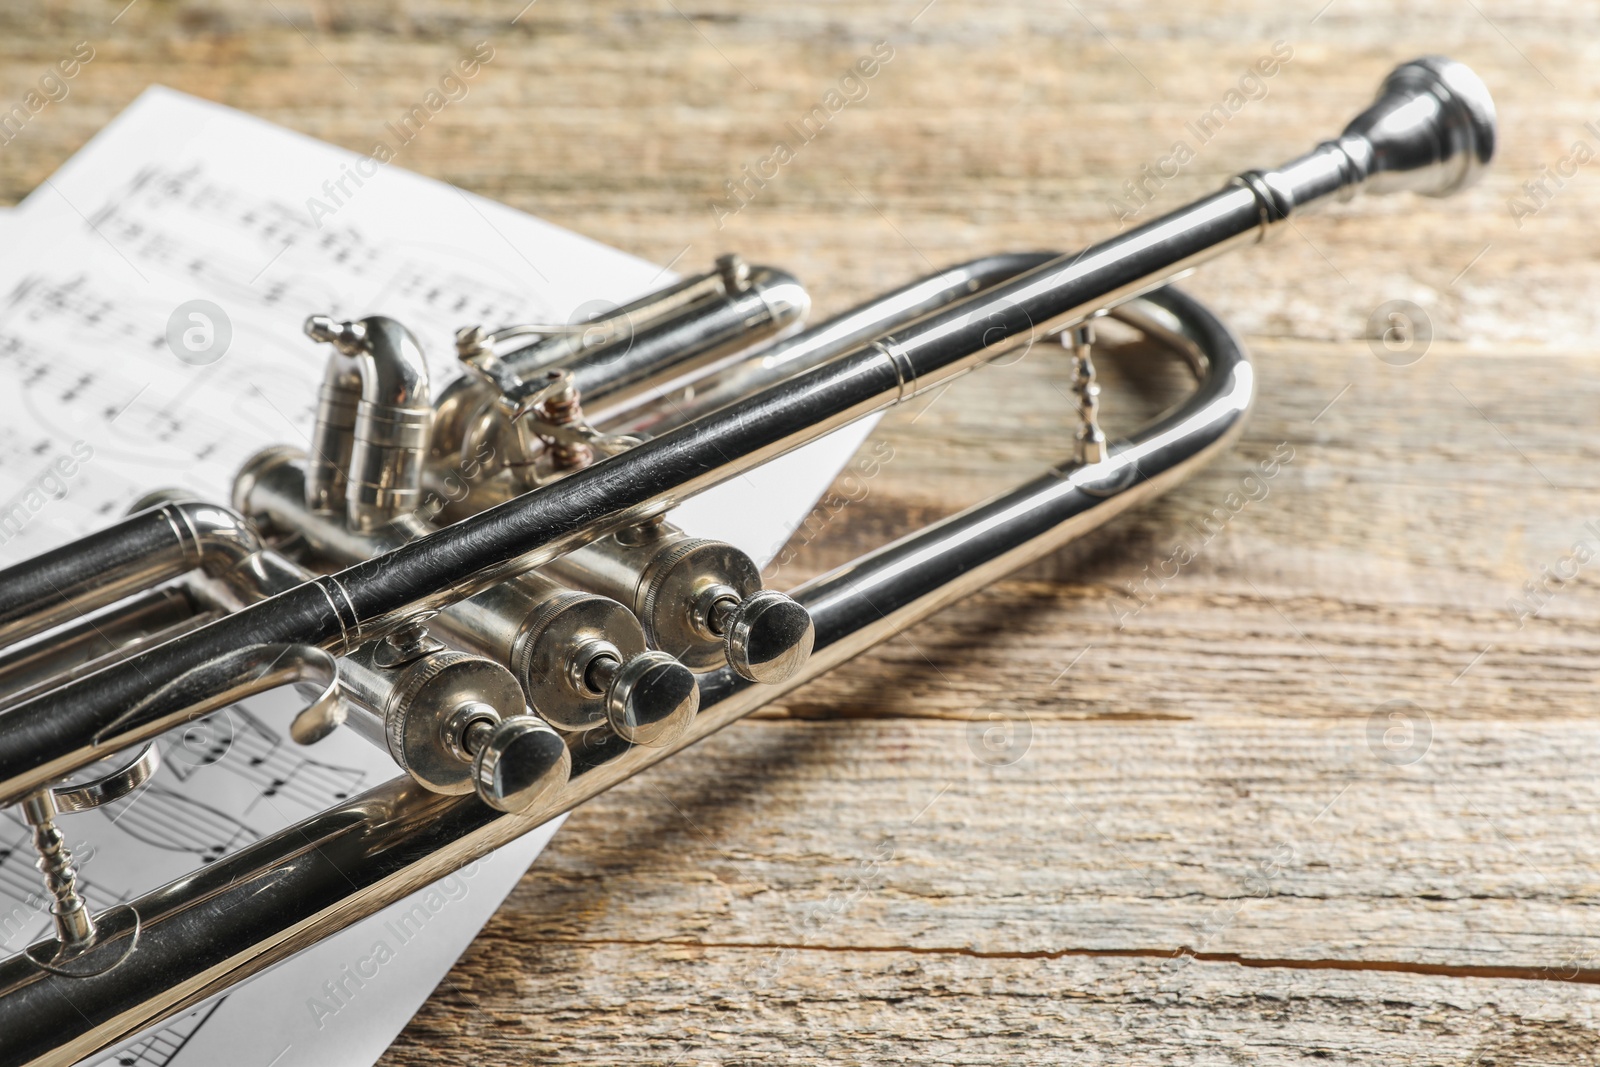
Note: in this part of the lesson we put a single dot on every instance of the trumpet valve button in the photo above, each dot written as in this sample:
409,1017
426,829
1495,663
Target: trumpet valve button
652,699
521,762
769,638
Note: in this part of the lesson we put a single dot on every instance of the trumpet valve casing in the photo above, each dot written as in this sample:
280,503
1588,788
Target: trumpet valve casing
581,658
440,715
699,599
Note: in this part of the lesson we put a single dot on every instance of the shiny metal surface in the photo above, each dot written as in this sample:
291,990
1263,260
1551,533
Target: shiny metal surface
133,555
668,340
221,681
548,634
239,915
650,350
418,702
1431,130
81,939
373,421
651,699
45,658
767,637
699,599
426,706
818,344
104,788
509,359
518,763
545,632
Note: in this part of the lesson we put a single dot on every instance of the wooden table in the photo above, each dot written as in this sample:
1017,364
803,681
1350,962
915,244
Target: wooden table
1327,795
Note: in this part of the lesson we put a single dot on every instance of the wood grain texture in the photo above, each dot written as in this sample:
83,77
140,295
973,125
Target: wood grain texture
1216,843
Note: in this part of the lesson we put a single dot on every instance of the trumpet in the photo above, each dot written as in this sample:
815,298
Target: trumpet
483,580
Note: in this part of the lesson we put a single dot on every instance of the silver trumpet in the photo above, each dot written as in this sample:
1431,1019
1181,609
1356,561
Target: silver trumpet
484,584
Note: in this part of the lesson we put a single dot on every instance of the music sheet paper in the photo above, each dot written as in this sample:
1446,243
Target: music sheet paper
180,200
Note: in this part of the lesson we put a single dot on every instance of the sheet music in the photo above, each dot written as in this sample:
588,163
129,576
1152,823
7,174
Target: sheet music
180,200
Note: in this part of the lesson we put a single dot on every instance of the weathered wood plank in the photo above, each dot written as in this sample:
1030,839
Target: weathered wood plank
992,127
1295,840
605,1004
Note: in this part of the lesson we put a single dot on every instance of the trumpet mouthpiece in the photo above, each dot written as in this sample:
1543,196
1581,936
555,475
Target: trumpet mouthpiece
1431,130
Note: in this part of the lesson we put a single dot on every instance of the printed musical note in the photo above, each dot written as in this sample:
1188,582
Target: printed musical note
177,822
241,743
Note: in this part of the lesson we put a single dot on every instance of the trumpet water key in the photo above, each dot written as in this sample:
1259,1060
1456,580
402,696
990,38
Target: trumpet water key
520,515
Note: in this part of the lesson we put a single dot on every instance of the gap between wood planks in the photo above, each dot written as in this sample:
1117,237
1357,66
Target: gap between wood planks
1577,976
